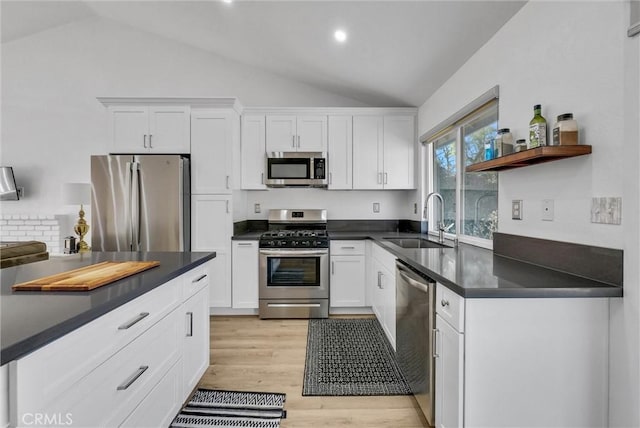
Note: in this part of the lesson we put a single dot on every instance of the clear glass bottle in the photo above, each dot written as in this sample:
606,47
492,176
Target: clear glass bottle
537,128
504,142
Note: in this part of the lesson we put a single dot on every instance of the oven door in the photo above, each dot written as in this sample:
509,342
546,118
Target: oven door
294,274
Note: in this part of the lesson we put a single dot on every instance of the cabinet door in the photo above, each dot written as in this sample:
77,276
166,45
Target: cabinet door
281,134
367,152
449,375
128,128
399,152
311,134
253,152
347,281
340,152
244,274
195,349
169,129
211,230
211,149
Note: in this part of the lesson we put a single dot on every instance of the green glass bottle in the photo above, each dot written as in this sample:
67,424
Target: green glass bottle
537,128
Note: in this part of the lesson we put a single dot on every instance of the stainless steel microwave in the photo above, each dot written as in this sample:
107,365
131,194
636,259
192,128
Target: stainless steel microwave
296,169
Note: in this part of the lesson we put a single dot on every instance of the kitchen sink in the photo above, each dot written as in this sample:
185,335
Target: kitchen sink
414,243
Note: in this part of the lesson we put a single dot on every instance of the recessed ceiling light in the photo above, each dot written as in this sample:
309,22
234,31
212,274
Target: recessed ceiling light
340,36
227,1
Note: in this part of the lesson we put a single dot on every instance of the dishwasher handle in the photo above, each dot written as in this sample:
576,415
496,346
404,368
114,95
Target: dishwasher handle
412,279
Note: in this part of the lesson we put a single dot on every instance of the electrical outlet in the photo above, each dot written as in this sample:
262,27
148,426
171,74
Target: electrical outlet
516,209
376,207
256,208
606,210
547,209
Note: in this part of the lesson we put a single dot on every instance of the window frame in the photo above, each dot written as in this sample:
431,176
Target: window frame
432,215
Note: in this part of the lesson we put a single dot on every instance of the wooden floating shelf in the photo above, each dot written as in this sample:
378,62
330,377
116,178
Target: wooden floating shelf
530,157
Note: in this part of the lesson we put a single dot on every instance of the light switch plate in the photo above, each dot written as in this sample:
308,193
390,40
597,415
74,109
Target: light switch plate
376,207
516,209
547,209
606,210
256,208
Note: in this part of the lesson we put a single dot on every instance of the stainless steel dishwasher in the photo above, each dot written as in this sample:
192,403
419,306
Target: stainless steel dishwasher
415,321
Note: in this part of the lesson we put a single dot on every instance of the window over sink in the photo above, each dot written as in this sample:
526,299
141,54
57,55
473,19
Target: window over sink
470,199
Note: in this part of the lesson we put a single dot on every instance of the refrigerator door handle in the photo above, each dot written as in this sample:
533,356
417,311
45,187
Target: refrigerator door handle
129,181
135,206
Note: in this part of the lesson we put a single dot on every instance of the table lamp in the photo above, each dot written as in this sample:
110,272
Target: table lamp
78,194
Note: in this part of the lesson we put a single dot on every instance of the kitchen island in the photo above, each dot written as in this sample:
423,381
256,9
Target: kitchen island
108,356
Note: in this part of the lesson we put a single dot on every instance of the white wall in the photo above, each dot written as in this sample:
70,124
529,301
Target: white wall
340,205
52,121
569,57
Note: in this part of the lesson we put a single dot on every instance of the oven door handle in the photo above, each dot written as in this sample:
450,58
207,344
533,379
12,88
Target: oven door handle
286,253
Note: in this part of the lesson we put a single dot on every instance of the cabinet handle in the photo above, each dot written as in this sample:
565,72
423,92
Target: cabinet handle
190,324
150,144
127,383
134,321
200,278
444,303
298,141
385,178
330,178
262,178
227,207
144,140
293,141
434,343
245,244
227,181
379,178
333,268
379,279
348,248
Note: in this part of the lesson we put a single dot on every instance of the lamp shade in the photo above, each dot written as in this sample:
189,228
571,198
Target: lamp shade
76,193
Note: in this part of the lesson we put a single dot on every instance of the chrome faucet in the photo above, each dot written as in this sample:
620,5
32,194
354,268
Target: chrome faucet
441,228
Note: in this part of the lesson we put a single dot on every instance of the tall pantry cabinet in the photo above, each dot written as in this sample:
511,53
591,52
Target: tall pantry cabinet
215,145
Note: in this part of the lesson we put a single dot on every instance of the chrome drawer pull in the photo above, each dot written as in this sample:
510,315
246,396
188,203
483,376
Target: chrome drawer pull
348,248
245,244
200,278
134,321
444,303
293,305
434,343
127,383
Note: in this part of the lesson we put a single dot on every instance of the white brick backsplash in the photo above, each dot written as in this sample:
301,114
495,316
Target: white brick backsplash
37,227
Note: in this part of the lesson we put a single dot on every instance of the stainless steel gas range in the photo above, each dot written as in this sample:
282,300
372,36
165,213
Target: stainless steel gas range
294,265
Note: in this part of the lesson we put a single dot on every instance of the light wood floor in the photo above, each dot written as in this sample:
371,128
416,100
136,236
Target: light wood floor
249,354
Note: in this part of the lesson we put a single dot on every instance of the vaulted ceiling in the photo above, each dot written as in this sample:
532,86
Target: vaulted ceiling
397,53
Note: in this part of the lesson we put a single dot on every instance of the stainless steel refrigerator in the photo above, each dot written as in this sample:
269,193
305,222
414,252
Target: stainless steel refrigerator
140,203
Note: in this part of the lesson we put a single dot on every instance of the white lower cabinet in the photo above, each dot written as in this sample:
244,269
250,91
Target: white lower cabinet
137,378
348,274
534,362
383,290
244,274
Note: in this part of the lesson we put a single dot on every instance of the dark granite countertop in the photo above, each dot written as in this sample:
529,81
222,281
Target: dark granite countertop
31,319
248,236
474,272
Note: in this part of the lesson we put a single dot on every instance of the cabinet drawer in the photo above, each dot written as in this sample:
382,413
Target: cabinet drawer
346,248
383,256
50,371
110,393
194,280
450,307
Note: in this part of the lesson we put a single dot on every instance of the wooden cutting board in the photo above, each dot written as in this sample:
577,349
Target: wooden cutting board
86,278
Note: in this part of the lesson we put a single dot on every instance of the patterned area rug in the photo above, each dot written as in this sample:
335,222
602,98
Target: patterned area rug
215,408
350,357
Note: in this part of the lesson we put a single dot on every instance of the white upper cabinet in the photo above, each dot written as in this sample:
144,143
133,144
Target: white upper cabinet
149,129
253,152
367,152
399,152
340,152
383,152
212,141
296,133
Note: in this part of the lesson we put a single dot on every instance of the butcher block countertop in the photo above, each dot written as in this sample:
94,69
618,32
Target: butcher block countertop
31,319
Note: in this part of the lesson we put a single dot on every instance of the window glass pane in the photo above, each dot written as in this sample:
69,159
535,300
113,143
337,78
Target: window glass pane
479,189
444,179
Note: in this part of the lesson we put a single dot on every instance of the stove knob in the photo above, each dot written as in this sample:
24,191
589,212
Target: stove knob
294,243
281,243
306,243
315,243
272,243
